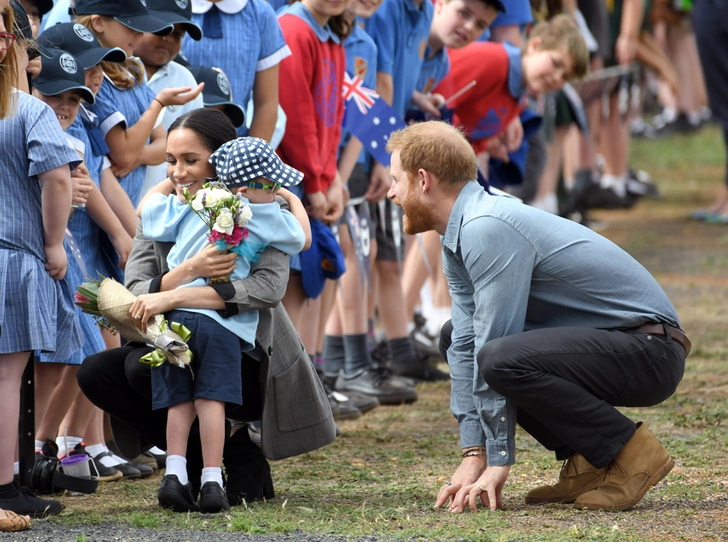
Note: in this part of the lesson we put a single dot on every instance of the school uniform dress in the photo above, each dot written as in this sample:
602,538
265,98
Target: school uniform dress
168,76
241,37
32,310
121,106
217,342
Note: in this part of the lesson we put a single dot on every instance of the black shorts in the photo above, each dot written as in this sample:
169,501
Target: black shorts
390,236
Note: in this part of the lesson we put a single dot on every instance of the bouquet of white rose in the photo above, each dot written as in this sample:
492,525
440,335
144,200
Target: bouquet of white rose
225,214
109,303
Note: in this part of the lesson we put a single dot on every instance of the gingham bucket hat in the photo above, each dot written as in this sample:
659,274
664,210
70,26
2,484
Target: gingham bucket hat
245,159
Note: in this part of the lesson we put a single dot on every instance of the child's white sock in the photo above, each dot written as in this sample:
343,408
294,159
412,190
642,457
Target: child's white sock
65,444
177,465
16,468
96,449
211,474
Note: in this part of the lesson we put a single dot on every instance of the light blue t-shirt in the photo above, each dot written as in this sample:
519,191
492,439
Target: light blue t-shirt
512,268
165,218
401,30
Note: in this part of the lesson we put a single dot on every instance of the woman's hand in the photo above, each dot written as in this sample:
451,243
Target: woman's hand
179,95
209,263
457,489
82,184
149,305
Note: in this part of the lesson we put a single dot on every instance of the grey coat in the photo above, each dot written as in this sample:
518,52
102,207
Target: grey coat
296,413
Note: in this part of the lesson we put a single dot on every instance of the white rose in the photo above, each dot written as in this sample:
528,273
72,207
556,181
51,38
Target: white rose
196,202
244,215
224,222
219,195
211,198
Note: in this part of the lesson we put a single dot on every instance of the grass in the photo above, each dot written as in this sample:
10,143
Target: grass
381,475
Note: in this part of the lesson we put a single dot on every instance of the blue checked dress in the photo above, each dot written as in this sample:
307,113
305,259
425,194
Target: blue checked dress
114,106
251,41
33,313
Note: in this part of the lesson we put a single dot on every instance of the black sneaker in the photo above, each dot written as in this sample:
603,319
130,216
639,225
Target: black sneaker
25,502
375,384
213,498
175,496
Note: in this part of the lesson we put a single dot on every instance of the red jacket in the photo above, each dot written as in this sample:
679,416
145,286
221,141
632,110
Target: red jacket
486,109
309,87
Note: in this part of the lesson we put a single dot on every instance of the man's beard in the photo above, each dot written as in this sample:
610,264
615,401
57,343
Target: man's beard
417,215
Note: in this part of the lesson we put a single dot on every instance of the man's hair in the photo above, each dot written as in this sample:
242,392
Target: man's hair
562,34
438,148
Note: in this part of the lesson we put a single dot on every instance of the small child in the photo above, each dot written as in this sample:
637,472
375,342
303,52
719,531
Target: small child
250,166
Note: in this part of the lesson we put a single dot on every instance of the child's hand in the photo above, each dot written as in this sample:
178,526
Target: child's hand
122,244
317,205
179,95
512,137
82,184
379,183
336,199
428,103
56,261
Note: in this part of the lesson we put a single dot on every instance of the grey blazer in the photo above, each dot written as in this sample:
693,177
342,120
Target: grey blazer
296,413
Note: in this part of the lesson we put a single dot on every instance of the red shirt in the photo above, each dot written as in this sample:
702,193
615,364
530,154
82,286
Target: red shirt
309,88
486,109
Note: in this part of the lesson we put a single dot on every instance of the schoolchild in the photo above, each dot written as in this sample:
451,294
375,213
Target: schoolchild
158,54
250,165
36,181
128,110
310,94
242,29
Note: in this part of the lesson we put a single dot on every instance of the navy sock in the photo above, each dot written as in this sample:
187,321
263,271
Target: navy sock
333,355
357,354
403,350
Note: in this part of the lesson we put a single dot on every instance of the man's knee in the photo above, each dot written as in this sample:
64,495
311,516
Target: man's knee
495,362
445,339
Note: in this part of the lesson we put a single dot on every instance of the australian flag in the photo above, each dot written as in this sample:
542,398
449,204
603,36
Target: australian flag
369,118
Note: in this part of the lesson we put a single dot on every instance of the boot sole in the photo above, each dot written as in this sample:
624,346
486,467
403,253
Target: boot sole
568,499
656,478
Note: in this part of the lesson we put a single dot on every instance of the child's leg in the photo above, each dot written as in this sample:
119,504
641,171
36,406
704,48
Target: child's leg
212,431
11,371
179,421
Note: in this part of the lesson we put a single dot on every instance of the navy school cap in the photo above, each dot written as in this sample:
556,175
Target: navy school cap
131,13
175,12
323,260
217,92
44,6
62,72
80,42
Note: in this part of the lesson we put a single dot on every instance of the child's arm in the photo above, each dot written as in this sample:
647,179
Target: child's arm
165,188
348,158
265,104
100,212
55,203
81,184
633,12
152,154
118,201
126,144
297,209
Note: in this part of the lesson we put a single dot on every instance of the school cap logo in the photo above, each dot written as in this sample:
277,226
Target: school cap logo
222,82
83,32
143,3
182,3
68,63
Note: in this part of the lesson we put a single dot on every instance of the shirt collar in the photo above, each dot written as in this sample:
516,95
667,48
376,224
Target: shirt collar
162,71
226,6
452,232
88,116
322,33
515,71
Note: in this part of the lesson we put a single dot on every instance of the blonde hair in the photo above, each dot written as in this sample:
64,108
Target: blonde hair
127,74
438,148
561,34
8,69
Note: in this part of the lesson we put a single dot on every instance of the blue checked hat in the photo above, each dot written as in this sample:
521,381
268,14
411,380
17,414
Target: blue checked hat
242,160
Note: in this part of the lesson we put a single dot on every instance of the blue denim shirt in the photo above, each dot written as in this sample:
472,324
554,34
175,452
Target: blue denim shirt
513,268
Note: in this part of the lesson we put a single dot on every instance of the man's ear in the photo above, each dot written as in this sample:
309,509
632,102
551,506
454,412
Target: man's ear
425,179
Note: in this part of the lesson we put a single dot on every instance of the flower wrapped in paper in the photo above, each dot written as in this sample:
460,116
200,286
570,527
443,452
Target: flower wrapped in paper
109,302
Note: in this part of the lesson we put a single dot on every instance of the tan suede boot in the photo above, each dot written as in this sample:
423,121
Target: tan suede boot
577,476
641,464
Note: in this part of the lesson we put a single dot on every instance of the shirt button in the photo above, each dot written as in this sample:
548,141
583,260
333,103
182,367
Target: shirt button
503,452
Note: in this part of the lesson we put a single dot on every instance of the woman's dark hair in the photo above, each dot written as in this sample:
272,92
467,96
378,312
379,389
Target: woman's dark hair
212,127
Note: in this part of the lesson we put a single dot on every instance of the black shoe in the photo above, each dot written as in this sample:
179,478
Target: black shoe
640,184
144,470
175,496
213,498
106,474
126,470
363,403
341,407
375,384
25,502
419,369
248,472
